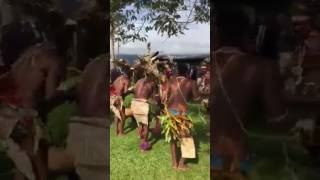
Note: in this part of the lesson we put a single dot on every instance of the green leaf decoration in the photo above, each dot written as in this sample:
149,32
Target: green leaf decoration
127,100
174,127
69,83
74,78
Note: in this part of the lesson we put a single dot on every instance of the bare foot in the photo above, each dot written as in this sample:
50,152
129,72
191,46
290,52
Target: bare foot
175,167
183,167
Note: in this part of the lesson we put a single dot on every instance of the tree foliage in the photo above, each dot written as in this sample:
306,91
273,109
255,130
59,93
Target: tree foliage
132,19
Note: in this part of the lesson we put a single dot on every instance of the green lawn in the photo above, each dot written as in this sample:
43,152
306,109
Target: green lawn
269,161
128,162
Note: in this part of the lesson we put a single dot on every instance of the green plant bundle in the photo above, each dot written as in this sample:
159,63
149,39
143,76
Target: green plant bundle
69,83
74,78
56,130
73,71
175,127
127,100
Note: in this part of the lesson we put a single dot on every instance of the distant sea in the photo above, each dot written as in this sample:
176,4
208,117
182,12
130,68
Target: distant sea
132,57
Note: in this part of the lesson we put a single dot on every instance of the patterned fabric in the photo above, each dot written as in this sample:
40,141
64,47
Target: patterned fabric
116,104
204,85
15,125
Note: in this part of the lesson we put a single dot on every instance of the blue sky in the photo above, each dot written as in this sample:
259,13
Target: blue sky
196,40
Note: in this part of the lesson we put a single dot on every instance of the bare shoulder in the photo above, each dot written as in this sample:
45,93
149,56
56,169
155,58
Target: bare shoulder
170,82
268,68
139,81
192,82
95,72
124,79
261,62
100,62
42,56
96,69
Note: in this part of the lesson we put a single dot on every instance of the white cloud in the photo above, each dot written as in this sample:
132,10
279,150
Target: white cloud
195,40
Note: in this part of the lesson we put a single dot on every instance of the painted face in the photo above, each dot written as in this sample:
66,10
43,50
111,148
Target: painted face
168,72
203,70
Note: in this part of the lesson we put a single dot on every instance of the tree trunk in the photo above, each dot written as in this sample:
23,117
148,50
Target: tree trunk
118,46
112,44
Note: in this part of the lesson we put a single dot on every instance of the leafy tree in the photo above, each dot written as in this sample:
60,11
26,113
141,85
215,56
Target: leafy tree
131,19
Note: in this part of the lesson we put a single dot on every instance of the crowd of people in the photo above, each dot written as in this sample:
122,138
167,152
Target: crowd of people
269,70
170,87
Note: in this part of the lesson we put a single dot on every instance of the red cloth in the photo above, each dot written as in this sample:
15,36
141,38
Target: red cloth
112,90
8,91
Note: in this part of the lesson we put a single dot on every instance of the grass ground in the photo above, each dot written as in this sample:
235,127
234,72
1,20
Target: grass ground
127,162
270,160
